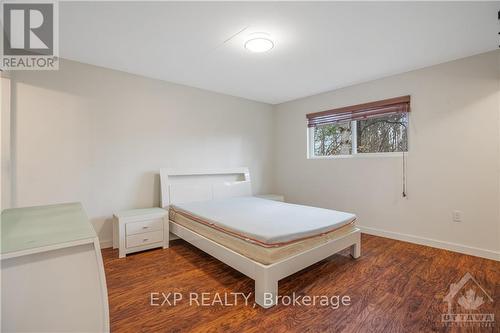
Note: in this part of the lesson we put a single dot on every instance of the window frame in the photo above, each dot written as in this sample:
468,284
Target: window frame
354,142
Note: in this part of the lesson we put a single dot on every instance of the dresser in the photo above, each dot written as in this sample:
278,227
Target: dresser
52,271
140,229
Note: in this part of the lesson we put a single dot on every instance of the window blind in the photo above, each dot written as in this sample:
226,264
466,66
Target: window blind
361,111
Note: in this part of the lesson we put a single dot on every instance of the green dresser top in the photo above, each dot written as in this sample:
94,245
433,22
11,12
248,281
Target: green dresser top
33,227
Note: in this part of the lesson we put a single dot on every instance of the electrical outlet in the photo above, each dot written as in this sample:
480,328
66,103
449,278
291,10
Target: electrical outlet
457,216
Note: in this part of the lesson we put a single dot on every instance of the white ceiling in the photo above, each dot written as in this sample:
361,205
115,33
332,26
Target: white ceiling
318,46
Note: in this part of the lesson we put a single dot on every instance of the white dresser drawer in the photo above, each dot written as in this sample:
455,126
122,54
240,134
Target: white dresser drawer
144,238
133,228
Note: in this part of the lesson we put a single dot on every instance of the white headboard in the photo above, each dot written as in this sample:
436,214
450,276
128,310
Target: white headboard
178,186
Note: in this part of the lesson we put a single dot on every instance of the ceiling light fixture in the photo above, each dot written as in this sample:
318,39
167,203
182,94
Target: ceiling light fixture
259,42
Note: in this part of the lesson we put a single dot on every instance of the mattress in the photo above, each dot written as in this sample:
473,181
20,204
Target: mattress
235,240
265,222
264,255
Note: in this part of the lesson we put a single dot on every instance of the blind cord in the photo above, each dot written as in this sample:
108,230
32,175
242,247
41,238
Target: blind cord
404,176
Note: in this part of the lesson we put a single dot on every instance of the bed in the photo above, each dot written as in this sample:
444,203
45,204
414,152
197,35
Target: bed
266,240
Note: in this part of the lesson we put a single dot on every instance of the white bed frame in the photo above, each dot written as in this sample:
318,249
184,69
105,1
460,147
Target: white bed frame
178,186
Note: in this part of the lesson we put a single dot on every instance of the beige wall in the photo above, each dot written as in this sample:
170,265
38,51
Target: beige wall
99,136
5,139
453,159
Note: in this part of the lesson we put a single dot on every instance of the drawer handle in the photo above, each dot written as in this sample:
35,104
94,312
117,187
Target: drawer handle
145,227
145,240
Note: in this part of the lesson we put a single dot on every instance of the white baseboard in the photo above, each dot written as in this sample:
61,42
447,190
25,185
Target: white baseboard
106,243
473,251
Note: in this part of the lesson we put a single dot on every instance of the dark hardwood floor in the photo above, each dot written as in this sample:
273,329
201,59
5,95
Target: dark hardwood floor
394,287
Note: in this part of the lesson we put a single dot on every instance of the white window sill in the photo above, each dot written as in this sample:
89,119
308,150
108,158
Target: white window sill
359,155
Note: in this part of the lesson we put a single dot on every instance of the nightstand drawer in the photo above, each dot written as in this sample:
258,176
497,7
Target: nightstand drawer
133,228
144,238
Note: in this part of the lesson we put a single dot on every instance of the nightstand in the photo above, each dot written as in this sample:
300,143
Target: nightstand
140,229
275,197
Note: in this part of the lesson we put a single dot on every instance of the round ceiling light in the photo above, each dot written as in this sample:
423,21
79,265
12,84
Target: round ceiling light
259,43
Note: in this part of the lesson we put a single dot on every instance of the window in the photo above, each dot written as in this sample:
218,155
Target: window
382,134
333,139
376,127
